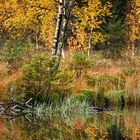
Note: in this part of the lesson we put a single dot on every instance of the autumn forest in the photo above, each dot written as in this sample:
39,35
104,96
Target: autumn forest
70,57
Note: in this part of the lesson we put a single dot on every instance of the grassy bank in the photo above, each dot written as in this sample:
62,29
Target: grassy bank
100,80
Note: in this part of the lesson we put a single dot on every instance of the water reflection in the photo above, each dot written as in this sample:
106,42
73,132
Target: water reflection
115,125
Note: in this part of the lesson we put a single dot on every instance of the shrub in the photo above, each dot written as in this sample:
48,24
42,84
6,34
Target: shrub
128,71
37,78
104,82
42,80
114,97
86,95
81,63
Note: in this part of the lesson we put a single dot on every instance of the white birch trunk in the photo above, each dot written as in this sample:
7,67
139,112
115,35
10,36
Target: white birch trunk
89,43
67,12
61,27
58,27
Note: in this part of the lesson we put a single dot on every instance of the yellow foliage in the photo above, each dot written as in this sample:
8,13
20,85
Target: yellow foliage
90,17
29,17
79,42
132,24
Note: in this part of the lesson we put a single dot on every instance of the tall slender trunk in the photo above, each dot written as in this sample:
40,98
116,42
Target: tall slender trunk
59,41
58,27
89,43
64,26
132,50
36,40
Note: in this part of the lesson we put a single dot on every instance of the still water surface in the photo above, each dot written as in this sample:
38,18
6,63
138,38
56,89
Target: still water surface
114,125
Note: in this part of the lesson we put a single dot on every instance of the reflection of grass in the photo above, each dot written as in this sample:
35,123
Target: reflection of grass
116,124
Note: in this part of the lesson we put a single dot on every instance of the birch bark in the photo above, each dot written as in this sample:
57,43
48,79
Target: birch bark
63,17
89,43
66,17
58,27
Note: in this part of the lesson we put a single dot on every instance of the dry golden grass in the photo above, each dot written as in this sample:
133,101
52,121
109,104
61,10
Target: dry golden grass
6,78
80,85
107,66
3,70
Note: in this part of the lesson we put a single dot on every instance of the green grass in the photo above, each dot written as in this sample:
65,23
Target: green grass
67,107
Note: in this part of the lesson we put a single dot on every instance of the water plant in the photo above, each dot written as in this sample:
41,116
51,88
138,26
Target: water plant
67,107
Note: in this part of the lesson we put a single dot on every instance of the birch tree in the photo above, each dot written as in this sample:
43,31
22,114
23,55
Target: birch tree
90,18
58,27
63,16
67,13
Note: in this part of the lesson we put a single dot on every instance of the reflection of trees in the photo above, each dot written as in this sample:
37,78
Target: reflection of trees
119,125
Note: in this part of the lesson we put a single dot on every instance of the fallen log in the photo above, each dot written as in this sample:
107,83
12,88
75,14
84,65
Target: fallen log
15,107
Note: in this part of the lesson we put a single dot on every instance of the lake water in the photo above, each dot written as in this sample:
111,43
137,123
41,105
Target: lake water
113,125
